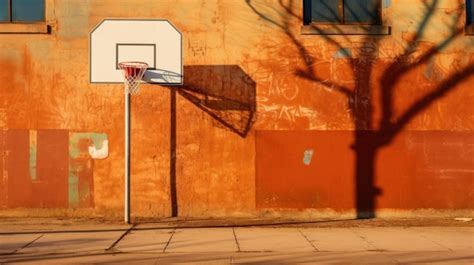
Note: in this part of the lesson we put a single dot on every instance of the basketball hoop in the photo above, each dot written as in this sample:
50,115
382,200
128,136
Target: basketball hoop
132,75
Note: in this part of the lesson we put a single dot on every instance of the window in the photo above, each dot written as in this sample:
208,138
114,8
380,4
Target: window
22,11
342,11
23,16
470,17
343,17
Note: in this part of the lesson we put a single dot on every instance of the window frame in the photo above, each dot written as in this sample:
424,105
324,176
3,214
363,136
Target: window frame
10,15
311,27
308,20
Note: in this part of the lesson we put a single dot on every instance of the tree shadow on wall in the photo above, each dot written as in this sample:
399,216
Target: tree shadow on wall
224,92
371,133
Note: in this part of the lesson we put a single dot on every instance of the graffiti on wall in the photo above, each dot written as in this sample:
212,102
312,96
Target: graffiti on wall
286,100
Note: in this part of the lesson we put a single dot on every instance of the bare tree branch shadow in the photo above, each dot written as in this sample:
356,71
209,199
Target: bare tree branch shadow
369,137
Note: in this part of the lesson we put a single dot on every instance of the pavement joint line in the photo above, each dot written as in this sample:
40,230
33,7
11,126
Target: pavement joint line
169,240
120,238
307,239
258,251
27,245
432,241
236,241
375,248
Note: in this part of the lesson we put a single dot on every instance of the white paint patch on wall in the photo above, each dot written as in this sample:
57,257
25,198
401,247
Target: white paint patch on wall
308,156
101,153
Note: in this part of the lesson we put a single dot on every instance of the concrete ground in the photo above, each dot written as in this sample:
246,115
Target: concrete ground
163,243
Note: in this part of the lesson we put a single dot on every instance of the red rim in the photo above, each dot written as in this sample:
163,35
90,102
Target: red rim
124,65
133,69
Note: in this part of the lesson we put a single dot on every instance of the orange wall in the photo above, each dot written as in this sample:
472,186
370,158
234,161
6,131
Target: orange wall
421,169
244,118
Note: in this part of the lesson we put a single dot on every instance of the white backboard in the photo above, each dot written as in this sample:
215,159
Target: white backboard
154,41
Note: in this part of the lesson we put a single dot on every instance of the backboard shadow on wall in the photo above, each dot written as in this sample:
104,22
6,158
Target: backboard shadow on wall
225,92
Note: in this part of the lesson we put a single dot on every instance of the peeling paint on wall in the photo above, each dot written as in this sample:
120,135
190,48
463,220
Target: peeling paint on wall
33,153
81,166
98,143
99,152
48,168
308,156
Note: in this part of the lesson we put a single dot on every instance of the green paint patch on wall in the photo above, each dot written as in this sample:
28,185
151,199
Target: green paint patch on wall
33,154
73,192
81,167
96,139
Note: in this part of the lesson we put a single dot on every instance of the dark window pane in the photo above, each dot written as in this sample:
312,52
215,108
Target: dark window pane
325,10
470,11
361,11
4,10
27,10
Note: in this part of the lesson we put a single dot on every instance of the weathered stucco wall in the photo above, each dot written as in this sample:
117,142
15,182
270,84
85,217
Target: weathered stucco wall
268,118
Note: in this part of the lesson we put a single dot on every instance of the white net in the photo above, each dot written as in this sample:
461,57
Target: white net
132,75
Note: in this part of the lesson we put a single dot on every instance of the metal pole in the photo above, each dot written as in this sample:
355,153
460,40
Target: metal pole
127,158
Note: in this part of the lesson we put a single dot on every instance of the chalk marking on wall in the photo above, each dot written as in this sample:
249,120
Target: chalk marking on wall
33,154
289,114
198,48
308,156
286,113
288,92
